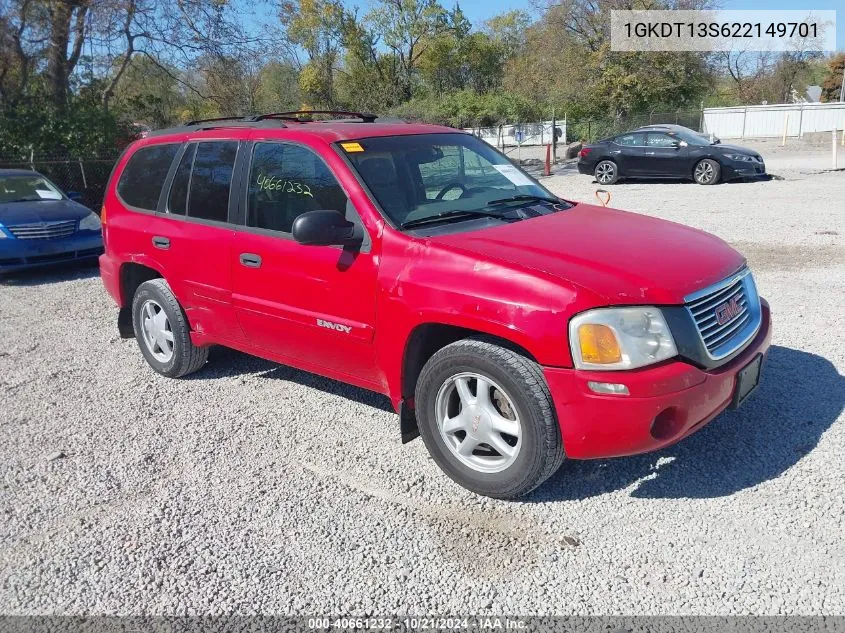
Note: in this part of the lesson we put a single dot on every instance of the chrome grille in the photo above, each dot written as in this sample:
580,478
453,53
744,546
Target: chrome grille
727,314
43,230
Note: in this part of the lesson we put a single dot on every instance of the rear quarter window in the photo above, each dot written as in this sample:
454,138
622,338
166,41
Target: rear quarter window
144,175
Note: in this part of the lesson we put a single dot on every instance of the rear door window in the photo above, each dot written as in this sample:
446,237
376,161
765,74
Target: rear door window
177,202
203,181
631,140
144,175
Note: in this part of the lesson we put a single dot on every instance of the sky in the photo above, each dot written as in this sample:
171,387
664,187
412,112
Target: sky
479,10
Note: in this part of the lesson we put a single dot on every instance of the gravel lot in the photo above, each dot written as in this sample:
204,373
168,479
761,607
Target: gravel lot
252,487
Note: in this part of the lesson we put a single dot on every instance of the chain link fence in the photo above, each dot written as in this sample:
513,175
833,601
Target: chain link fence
87,176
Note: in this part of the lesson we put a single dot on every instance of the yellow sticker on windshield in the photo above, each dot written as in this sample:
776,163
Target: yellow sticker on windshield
352,147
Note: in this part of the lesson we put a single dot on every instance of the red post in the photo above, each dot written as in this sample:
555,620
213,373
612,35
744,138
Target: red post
548,169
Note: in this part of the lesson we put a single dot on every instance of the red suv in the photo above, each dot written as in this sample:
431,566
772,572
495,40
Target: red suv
510,328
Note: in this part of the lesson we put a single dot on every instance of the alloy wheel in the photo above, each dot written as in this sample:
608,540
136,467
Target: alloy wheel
156,331
478,422
704,172
605,172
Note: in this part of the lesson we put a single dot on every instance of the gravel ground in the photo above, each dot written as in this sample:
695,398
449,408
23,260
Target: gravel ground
252,487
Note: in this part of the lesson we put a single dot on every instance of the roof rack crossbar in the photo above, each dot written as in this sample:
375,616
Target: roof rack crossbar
295,115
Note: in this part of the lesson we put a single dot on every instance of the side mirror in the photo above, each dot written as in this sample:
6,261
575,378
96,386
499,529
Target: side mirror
324,227
74,195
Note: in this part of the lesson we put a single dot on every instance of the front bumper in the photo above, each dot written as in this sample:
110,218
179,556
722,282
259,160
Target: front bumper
17,254
667,402
743,169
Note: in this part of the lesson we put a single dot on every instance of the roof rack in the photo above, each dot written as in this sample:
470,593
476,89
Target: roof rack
304,115
214,120
271,119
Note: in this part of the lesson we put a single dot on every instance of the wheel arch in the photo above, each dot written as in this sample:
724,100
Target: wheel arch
131,275
421,344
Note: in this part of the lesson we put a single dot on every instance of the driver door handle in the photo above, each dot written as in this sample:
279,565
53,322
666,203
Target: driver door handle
161,242
251,260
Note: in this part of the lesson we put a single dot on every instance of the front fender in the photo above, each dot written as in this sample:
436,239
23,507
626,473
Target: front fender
422,284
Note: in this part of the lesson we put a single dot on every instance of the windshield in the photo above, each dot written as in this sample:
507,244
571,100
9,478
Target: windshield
27,189
422,176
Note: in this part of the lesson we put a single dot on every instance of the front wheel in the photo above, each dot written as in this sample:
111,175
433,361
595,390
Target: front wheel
707,172
606,172
487,418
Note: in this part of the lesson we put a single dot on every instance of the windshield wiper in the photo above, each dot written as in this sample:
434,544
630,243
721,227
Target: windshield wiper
24,200
524,197
453,215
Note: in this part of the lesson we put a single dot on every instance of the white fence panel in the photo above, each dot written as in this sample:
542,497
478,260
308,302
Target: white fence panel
524,134
771,120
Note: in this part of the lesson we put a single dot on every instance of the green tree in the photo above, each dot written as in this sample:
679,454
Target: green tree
146,93
509,31
407,28
278,88
316,26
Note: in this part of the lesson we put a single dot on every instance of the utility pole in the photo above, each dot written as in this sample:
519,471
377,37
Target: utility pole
842,89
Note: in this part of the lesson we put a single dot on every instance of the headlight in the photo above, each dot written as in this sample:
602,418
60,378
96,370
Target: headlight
3,232
620,338
742,157
90,223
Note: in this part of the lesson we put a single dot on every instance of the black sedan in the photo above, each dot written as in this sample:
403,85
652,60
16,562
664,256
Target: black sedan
668,152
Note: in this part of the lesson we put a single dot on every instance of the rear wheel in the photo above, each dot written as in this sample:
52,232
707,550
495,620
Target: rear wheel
707,172
163,332
606,172
487,419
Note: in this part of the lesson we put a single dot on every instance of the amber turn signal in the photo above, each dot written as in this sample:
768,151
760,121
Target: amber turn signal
598,344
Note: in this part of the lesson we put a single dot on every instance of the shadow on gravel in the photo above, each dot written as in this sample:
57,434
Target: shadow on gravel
801,395
52,274
647,181
225,363
681,181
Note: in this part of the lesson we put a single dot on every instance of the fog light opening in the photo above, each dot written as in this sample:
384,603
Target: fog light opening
666,424
611,388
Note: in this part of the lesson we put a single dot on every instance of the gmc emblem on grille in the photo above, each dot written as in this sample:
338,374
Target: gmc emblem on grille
727,311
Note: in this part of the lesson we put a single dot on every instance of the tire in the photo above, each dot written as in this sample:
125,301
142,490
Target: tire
168,349
706,172
606,172
534,453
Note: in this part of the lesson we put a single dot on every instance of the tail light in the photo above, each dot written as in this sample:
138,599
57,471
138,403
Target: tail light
103,222
584,152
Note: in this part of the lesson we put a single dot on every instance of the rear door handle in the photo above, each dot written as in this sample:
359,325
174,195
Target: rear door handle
251,260
161,242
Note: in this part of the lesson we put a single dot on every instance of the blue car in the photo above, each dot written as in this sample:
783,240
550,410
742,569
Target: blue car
40,225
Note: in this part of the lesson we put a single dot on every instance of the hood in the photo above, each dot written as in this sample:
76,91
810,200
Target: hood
41,211
736,149
623,257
